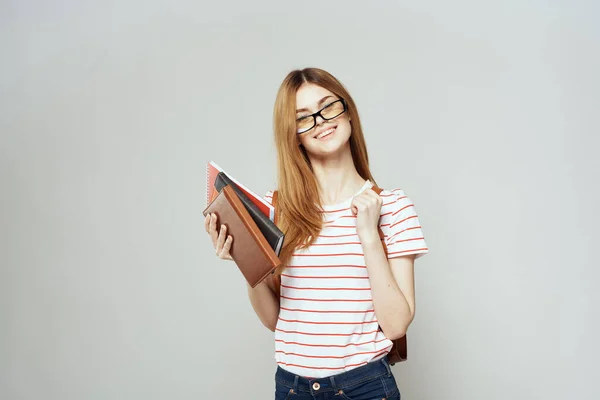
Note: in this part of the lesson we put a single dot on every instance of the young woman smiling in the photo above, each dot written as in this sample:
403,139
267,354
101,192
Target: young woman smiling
340,300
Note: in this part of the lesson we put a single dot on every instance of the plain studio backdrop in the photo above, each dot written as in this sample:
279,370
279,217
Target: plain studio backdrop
485,113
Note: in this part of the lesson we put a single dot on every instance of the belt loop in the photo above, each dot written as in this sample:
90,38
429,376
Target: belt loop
333,384
387,366
296,384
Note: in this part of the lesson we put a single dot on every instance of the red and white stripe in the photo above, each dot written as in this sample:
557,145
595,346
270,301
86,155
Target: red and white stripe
327,323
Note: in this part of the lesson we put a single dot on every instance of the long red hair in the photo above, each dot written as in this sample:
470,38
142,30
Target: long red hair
299,213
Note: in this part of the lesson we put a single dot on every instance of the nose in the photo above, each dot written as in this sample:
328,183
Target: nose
319,120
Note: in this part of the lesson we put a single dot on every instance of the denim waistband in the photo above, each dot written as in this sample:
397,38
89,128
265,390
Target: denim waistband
358,375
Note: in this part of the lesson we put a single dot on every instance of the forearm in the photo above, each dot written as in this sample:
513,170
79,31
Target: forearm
391,307
265,304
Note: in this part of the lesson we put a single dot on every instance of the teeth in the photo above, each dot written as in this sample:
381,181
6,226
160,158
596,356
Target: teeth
327,132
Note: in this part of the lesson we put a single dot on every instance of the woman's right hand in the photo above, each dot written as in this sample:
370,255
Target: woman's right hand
221,241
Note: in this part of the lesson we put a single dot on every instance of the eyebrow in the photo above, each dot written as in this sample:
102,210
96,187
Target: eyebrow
318,104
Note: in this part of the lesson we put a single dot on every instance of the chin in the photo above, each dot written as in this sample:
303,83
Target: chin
329,148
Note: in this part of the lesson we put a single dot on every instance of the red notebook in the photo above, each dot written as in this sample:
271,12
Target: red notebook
212,170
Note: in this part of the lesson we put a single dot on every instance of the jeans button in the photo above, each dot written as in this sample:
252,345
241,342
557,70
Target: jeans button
316,386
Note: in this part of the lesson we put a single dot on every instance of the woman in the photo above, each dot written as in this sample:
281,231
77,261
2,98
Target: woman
341,300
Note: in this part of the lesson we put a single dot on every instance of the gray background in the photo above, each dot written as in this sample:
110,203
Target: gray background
485,113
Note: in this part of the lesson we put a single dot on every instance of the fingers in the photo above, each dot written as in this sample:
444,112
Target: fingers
224,244
366,200
212,229
221,239
207,223
226,248
371,197
370,193
358,204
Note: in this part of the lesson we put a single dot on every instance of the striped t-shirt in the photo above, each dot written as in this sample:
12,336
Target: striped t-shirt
327,324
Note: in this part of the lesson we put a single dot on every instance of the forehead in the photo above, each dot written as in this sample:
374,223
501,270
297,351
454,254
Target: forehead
309,94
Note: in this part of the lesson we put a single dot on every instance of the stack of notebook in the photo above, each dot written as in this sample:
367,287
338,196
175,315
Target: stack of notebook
257,241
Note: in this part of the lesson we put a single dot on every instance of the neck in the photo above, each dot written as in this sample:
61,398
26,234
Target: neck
337,177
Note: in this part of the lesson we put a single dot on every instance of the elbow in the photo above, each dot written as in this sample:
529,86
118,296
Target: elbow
398,330
395,334
270,323
269,326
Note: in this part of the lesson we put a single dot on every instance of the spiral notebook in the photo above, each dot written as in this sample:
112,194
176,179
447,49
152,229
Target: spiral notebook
212,170
268,228
251,252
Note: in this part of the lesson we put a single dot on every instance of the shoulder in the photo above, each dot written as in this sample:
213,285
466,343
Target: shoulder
395,202
393,196
400,224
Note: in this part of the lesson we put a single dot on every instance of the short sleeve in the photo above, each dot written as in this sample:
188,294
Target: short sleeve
400,224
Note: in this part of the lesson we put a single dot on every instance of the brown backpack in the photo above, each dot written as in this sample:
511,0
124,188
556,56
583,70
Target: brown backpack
398,352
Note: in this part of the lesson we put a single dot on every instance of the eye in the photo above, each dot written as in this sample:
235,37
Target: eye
329,104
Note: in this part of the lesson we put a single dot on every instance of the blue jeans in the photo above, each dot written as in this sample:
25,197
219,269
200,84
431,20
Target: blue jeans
373,381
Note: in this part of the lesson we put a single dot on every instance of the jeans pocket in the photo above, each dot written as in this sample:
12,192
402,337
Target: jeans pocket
379,388
283,392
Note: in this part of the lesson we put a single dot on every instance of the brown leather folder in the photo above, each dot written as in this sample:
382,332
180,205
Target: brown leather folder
250,250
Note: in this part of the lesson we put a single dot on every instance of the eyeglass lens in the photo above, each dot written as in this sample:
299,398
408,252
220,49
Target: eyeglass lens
328,112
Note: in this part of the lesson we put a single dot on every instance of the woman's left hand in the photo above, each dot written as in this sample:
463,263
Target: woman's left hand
367,208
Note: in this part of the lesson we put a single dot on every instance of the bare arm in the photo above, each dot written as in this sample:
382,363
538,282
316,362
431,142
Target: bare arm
265,303
392,282
392,288
262,297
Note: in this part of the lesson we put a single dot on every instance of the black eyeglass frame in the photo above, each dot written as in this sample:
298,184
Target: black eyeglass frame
314,116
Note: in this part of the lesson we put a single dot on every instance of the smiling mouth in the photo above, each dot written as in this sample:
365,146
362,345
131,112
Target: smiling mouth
325,133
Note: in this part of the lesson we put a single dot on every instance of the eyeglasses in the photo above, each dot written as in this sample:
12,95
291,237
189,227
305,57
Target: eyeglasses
330,111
